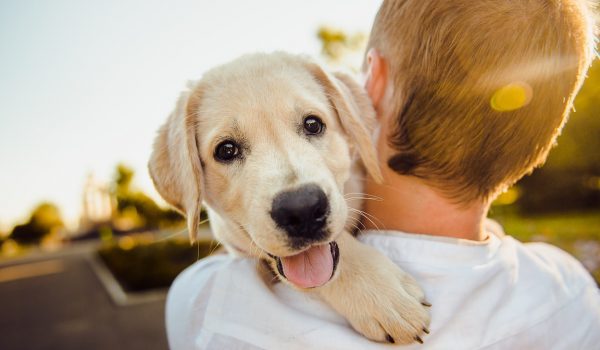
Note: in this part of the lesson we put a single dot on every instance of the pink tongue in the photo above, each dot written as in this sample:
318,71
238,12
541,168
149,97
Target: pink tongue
311,268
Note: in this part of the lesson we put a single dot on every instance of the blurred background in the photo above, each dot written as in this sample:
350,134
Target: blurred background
87,247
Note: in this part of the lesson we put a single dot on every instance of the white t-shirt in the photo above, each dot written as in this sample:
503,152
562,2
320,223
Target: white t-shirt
496,294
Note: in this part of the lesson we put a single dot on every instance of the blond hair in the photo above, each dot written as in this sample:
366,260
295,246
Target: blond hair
481,88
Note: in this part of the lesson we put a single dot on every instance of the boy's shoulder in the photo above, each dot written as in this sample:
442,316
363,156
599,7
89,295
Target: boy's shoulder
557,265
539,259
548,292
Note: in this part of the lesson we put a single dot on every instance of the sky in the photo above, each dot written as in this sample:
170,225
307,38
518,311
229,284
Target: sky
84,85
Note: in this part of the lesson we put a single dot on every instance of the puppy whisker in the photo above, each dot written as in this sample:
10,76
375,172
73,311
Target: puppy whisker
362,198
275,278
212,250
362,195
180,232
354,223
366,216
373,217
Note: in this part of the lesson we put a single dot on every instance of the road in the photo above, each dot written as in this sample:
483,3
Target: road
57,302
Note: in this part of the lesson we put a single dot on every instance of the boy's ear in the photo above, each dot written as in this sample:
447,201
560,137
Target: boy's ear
376,80
174,165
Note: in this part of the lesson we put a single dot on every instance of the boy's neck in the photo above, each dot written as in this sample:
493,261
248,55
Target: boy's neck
409,205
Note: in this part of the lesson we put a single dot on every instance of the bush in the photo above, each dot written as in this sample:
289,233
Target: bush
44,220
558,190
140,266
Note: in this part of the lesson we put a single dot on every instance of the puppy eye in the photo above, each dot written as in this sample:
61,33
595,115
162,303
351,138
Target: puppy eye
313,125
226,151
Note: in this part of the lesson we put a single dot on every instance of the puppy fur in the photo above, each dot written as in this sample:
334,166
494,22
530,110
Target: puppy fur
260,101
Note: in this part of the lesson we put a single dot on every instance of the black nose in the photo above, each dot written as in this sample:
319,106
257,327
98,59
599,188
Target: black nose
302,213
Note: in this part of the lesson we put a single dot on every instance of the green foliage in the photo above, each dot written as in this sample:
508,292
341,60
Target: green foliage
337,45
45,219
332,41
152,265
570,179
123,178
138,206
150,215
580,141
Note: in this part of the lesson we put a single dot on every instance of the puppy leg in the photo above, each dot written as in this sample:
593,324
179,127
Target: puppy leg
379,300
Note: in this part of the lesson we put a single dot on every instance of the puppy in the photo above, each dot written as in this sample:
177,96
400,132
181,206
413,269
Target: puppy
271,143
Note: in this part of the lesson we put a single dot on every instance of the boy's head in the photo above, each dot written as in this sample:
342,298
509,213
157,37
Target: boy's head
476,91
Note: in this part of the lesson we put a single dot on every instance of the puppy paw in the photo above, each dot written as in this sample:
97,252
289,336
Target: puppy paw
391,309
378,299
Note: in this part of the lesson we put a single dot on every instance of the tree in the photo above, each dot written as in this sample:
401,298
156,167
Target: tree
123,178
340,48
45,219
136,205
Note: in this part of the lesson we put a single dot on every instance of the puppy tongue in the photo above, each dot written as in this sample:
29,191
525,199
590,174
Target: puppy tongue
311,268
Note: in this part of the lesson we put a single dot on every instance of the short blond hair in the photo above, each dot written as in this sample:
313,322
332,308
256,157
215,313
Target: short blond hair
450,62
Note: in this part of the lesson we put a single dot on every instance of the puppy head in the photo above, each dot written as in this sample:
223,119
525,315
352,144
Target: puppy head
267,140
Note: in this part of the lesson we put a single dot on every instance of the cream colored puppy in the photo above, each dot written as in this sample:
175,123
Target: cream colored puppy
268,142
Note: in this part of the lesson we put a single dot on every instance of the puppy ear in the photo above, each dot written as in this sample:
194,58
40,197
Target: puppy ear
175,165
355,112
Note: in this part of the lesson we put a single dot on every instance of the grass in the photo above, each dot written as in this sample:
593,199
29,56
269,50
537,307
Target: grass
576,233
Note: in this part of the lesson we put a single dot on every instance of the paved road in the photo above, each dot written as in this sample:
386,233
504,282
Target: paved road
60,304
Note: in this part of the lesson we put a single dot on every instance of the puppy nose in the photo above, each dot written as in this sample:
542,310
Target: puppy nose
302,213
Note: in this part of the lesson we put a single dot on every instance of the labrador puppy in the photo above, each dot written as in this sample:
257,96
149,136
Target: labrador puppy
271,144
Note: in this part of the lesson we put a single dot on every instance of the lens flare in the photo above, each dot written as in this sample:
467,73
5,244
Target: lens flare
511,97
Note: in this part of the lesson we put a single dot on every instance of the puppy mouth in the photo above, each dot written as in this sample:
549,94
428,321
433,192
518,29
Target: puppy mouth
312,267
